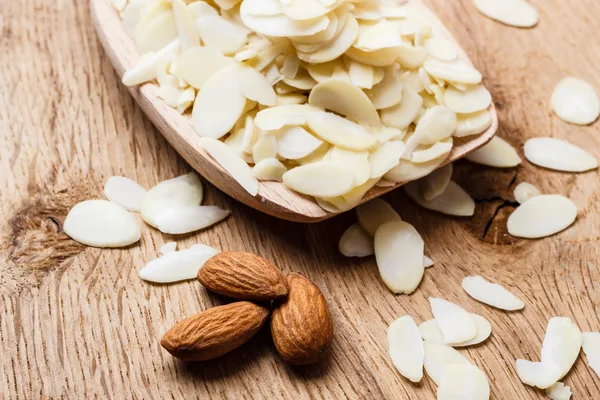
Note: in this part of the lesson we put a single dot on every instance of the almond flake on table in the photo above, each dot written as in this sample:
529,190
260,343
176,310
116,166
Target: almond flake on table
576,101
542,216
177,266
101,223
591,348
558,155
524,191
463,381
374,213
182,220
430,331
496,153
516,13
183,191
167,248
355,242
453,201
399,256
406,348
438,358
538,374
559,391
562,344
125,192
456,324
491,294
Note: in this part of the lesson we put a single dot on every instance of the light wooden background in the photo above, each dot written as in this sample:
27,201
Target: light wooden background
78,322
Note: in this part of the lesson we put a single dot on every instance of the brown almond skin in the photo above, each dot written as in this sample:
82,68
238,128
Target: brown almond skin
301,325
243,276
215,331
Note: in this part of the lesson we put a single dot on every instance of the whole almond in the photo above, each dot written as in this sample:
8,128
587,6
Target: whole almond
301,325
215,331
243,276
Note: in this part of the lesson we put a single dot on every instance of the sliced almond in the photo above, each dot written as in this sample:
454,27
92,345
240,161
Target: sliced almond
304,10
559,155
542,216
361,75
202,9
437,124
456,71
101,223
431,332
198,64
399,255
453,201
356,243
177,265
336,47
385,157
408,171
279,25
591,348
524,191
411,56
186,25
438,358
406,348
377,58
294,142
388,92
302,81
491,294
345,98
472,124
358,160
124,192
463,381
436,183
167,248
374,213
562,344
435,151
265,147
340,131
321,179
274,118
218,33
456,324
189,219
232,163
379,36
254,86
427,262
468,101
576,101
219,104
441,48
517,13
183,191
537,374
156,28
496,153
227,4
269,169
559,391
402,114
146,70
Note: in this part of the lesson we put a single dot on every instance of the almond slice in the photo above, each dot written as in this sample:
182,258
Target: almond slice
321,179
542,216
559,155
437,124
537,374
254,86
402,114
399,255
374,213
562,344
265,147
468,101
201,9
377,58
463,381
456,324
294,142
576,101
457,71
355,242
437,182
496,153
269,169
186,25
438,358
167,248
274,118
183,191
124,192
441,48
189,219
177,265
232,163
453,201
517,13
280,25
336,47
591,348
383,34
385,157
345,98
197,65
408,171
431,332
156,28
361,75
406,348
559,391
491,294
219,104
358,160
146,70
472,124
340,131
524,191
427,262
437,150
101,223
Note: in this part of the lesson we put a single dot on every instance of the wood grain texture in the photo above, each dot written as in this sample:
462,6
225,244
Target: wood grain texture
77,322
273,198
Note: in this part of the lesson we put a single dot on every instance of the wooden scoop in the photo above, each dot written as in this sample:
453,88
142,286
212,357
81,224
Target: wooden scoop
273,197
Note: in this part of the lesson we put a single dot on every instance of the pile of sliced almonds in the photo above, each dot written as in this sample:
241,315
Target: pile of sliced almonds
329,97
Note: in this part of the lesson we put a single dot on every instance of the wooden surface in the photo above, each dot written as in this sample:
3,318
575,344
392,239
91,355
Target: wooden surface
273,198
77,322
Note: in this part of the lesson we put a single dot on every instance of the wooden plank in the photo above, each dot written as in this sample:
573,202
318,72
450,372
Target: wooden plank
77,322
